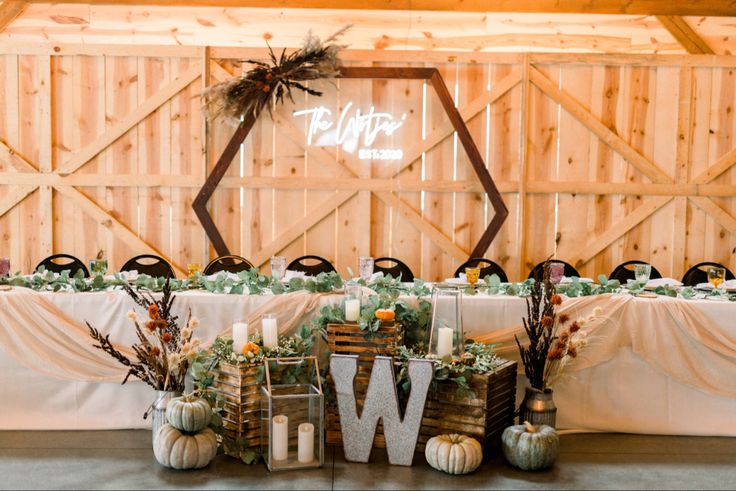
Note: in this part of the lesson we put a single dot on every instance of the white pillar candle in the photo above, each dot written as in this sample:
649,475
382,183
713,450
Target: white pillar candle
444,342
270,332
280,437
306,443
352,310
240,337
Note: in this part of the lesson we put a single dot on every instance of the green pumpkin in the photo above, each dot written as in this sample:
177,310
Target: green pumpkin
188,413
530,448
179,450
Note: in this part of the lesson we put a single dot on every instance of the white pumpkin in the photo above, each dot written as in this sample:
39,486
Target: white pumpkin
188,413
530,447
454,454
178,450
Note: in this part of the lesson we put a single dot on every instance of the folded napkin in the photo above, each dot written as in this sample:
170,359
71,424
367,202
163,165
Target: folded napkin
294,274
730,284
663,282
227,274
376,276
462,279
566,279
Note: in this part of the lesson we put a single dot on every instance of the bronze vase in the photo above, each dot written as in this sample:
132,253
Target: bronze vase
538,407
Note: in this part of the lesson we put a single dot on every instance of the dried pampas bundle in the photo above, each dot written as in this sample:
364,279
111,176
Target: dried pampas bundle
248,94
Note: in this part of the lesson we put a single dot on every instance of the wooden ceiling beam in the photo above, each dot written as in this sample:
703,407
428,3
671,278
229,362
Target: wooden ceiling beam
685,35
9,11
715,8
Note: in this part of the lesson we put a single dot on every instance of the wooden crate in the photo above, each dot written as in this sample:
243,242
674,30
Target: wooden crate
348,339
484,417
238,389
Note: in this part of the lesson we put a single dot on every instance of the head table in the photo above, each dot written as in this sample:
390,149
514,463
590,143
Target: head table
653,365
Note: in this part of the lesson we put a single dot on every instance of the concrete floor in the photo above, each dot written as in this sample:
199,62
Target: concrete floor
124,460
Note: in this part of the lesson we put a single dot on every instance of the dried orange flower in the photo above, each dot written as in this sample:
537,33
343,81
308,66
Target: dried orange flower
251,347
556,299
153,312
151,326
575,327
572,352
547,321
166,337
563,318
564,337
155,351
554,354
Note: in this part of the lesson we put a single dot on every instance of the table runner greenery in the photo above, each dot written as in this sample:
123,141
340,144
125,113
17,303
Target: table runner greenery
254,283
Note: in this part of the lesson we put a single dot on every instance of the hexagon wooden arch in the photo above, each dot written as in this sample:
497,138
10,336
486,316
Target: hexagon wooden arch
406,73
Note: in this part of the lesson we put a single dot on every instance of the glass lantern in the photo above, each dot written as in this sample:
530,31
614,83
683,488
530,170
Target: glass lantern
292,425
445,335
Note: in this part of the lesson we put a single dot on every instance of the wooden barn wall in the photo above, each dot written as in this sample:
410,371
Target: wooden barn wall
599,159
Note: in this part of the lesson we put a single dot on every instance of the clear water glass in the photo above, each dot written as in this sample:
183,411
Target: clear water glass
642,272
365,266
278,267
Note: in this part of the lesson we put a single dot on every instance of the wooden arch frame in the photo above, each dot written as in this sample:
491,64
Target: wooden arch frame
433,76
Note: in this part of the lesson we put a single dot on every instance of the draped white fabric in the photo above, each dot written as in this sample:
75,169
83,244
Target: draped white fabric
653,365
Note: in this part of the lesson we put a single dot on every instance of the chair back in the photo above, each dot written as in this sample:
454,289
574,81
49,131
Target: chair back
230,263
625,272
699,273
63,262
487,268
383,265
322,265
538,270
151,265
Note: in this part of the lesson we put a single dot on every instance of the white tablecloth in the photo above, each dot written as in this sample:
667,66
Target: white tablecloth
621,387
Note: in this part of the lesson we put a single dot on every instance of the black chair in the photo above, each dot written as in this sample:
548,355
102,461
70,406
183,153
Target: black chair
231,264
71,264
699,273
398,268
153,265
322,265
623,273
538,270
487,268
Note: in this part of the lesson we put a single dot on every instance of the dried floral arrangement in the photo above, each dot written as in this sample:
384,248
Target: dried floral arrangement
268,83
164,350
548,352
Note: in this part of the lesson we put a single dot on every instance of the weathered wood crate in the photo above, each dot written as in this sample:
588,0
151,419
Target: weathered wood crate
483,416
238,390
348,339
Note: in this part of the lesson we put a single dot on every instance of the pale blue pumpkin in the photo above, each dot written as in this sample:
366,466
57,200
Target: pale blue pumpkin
529,447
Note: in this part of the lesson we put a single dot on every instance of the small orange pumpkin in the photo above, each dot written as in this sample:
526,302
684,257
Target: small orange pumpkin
251,347
385,314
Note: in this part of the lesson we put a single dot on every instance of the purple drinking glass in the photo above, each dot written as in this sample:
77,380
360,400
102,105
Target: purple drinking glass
4,266
556,271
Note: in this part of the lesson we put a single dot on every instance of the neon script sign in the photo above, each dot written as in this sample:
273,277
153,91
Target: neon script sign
353,130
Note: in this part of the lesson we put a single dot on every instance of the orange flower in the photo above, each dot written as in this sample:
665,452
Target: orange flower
151,326
564,337
153,312
572,352
166,337
554,354
161,325
547,321
266,88
563,318
575,327
155,351
556,299
251,347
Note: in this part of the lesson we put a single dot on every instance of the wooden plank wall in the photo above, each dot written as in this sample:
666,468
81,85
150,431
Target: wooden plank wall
600,160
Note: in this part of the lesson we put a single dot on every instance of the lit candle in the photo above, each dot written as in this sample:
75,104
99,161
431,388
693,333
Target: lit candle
306,443
280,437
444,342
352,309
270,332
240,336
